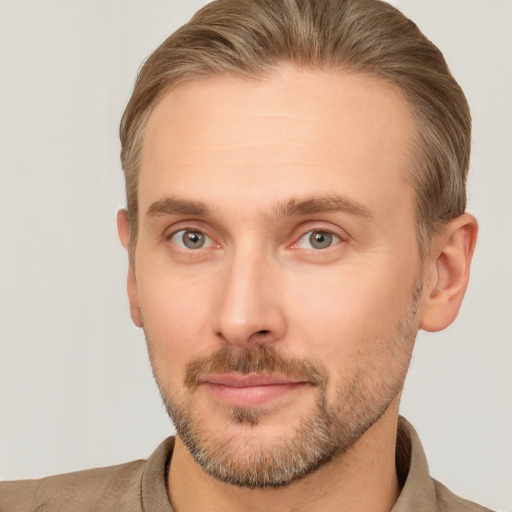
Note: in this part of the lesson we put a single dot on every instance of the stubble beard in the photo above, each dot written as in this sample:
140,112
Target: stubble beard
328,431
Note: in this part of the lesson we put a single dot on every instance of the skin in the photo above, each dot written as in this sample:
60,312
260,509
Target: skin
244,150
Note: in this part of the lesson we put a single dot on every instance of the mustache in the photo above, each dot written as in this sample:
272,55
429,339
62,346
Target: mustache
262,359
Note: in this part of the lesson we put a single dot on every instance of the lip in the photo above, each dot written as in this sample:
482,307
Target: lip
250,390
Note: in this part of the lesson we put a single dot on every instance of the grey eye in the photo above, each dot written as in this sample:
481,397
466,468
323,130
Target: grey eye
317,240
190,239
320,239
193,239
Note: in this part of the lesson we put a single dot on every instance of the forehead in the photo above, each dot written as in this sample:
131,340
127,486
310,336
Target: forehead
327,132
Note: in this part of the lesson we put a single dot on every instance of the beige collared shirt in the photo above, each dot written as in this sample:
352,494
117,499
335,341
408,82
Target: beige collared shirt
140,486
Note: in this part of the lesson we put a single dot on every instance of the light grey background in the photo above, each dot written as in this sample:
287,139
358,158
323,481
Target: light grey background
75,384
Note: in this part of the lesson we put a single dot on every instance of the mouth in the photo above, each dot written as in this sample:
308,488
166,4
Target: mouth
251,390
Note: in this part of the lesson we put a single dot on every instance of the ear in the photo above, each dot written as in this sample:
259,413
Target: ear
123,229
448,272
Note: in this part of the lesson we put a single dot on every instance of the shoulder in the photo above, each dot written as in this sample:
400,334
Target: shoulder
449,502
93,489
420,491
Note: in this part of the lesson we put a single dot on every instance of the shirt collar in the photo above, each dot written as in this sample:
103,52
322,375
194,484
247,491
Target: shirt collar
418,490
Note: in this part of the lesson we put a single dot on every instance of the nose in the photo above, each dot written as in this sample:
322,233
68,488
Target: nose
249,307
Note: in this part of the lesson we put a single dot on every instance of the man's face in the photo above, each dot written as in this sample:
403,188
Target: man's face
277,270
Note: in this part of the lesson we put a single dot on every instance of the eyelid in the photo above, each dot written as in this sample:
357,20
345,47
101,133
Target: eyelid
208,242
309,227
305,238
301,231
187,225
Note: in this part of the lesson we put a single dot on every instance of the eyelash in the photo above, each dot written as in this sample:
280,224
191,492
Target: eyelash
337,238
189,229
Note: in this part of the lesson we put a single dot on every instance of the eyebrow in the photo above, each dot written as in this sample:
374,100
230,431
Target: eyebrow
289,208
171,206
322,204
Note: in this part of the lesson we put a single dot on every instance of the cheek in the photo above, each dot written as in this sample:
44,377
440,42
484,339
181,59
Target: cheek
176,312
352,327
349,312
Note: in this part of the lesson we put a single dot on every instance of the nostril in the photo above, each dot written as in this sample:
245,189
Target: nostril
263,331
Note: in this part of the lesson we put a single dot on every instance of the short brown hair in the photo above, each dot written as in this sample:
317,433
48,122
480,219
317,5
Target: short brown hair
249,38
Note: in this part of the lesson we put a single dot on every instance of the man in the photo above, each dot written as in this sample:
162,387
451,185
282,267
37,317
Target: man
295,176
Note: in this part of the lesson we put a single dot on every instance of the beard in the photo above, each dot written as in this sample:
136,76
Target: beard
328,430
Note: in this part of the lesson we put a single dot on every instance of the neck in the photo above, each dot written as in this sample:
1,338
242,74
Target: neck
361,479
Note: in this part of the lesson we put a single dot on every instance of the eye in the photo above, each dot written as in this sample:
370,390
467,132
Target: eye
317,240
191,239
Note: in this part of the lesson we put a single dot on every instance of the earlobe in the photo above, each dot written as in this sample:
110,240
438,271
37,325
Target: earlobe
449,261
123,229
